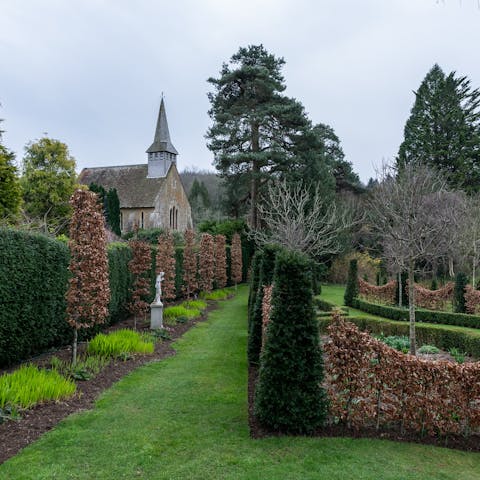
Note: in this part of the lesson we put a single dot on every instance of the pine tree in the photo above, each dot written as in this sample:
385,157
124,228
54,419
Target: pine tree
289,396
444,128
88,294
254,126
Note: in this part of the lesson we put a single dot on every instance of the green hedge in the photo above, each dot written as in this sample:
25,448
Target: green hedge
426,316
119,254
33,282
443,337
326,306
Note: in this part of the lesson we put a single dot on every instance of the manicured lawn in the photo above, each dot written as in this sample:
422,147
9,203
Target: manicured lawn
335,293
186,418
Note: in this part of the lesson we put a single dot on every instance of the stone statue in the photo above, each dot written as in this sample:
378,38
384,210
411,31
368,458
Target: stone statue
158,287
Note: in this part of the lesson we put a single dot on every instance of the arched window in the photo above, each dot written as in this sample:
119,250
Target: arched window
176,218
142,221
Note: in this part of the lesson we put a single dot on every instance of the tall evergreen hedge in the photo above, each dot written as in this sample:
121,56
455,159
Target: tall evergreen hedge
119,254
33,282
351,291
289,396
254,279
265,278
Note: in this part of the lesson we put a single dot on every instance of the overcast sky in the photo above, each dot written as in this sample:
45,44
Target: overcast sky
90,73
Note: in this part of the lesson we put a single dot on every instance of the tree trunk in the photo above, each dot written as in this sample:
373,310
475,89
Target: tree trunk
451,271
411,306
74,346
255,178
474,263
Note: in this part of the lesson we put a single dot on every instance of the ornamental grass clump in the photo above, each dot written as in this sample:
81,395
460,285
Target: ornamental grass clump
30,385
289,396
172,314
222,294
195,304
119,343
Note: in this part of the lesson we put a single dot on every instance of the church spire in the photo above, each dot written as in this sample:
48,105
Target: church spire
161,141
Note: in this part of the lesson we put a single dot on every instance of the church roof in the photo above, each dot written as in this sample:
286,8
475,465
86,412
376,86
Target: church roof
161,141
134,189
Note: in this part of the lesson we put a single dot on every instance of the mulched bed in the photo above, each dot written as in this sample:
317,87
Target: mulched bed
257,430
17,434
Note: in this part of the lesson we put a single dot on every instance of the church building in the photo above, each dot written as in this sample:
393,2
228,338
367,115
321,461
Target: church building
151,194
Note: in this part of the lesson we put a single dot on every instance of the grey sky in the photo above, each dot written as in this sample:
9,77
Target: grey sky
91,72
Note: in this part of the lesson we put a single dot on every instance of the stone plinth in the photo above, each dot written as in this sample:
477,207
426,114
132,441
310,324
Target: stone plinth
156,316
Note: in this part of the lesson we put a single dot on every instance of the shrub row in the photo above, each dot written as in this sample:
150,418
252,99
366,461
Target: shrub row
442,337
427,316
33,283
326,306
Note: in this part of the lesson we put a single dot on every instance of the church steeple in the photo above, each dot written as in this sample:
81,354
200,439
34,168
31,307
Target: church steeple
161,152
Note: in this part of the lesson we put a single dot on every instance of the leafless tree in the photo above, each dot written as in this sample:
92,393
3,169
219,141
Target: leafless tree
293,217
416,217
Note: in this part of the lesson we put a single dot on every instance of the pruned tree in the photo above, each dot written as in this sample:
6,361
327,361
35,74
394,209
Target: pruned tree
236,259
206,264
165,262
415,215
88,294
190,283
298,220
220,261
139,266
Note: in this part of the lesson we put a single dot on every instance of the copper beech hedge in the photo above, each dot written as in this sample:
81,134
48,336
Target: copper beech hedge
372,385
424,297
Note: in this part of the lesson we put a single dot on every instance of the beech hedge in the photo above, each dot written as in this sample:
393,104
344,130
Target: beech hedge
426,316
443,337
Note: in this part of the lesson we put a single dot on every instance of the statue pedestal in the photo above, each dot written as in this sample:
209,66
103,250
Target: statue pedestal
156,316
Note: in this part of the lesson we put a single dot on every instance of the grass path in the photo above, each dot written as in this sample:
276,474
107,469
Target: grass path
186,418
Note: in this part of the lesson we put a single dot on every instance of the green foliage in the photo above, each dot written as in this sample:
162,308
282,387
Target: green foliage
84,369
289,396
457,354
118,343
398,342
442,336
461,282
150,235
222,294
33,282
119,254
267,267
428,350
28,385
174,313
443,128
254,283
194,304
224,227
427,316
10,191
351,291
48,181
113,211
434,284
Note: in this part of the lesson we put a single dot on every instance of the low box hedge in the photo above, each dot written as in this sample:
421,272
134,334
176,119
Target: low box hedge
444,337
326,306
426,316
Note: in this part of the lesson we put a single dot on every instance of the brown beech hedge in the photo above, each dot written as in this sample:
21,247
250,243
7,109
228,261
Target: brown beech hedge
372,385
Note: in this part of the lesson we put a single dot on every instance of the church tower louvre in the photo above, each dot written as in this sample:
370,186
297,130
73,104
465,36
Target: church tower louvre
162,153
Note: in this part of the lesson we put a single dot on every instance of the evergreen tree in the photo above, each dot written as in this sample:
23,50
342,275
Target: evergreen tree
10,191
351,291
113,211
444,128
461,282
48,182
289,396
255,126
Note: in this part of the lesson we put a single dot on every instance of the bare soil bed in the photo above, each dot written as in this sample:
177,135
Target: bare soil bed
17,434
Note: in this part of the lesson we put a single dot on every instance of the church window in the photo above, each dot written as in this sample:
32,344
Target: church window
142,221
